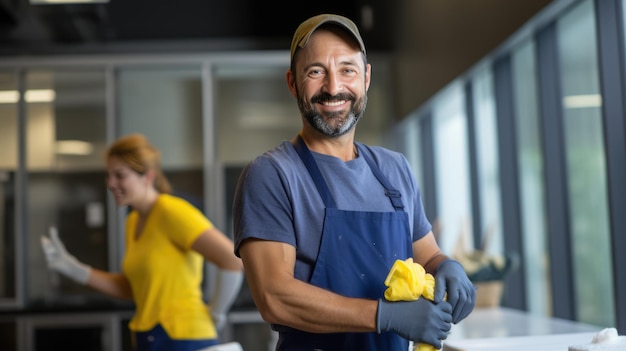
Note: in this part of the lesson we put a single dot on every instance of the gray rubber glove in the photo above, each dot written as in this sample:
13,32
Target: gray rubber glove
451,279
61,261
225,291
420,320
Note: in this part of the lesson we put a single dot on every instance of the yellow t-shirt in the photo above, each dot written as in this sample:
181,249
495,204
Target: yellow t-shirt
164,273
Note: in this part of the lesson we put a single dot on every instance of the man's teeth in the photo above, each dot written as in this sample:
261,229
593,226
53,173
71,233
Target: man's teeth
334,103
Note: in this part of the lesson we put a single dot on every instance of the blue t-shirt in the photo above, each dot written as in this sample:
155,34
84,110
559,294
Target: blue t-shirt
277,200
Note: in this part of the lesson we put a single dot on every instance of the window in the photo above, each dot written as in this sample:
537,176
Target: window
531,180
586,166
452,170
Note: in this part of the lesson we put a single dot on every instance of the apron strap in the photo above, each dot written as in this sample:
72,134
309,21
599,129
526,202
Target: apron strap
306,156
393,194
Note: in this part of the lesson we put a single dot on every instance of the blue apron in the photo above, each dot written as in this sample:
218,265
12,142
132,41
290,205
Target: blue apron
357,250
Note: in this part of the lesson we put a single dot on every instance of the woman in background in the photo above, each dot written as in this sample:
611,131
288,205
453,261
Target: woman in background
167,242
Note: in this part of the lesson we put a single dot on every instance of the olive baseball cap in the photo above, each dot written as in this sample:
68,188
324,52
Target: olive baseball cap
306,28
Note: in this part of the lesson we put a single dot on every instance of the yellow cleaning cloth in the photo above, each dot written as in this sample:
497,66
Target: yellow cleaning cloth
408,281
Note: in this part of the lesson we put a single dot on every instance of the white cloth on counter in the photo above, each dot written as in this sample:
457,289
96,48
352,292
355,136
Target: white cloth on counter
229,346
605,340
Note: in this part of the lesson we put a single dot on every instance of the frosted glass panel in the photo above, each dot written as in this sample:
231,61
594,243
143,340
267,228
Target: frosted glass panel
165,104
586,165
487,162
254,111
531,180
411,145
452,170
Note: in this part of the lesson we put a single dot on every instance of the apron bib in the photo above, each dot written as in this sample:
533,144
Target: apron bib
357,250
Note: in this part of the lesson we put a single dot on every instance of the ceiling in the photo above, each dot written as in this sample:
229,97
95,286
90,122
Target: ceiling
433,41
119,24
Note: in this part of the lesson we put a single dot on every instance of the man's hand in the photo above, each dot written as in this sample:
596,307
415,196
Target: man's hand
452,281
420,320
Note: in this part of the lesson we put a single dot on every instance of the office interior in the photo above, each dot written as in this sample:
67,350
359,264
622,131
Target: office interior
519,152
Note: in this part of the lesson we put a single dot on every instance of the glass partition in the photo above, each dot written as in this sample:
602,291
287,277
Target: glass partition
9,98
65,139
165,104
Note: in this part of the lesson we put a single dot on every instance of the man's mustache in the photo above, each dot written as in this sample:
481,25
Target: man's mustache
327,97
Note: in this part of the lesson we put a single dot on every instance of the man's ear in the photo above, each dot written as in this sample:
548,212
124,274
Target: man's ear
368,76
291,83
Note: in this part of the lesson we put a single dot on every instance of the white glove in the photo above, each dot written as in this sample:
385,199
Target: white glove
61,261
227,286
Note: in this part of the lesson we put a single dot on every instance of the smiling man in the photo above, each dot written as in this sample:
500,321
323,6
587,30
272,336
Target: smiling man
320,220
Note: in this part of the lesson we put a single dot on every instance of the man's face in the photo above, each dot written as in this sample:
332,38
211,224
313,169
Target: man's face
331,82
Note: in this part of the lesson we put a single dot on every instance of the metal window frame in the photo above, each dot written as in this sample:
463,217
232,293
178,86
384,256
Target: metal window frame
557,197
515,294
612,59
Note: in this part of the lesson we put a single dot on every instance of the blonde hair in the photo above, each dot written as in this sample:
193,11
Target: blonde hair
136,151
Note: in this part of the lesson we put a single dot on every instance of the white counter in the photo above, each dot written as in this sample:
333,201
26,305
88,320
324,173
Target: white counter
490,329
508,329
554,342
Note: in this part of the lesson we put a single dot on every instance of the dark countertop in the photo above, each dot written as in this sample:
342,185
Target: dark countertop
70,305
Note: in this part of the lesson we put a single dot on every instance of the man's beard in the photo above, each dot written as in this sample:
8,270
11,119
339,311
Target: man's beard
336,123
